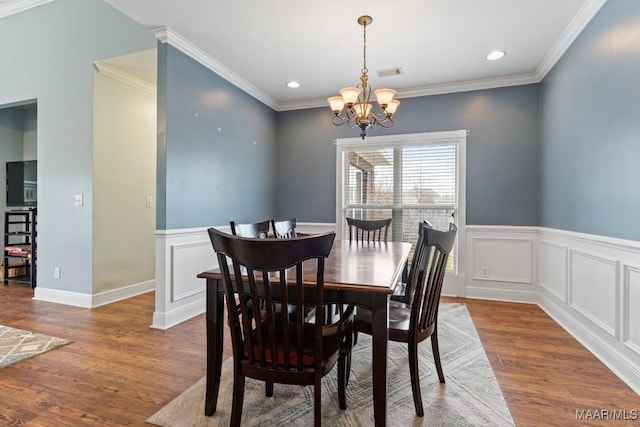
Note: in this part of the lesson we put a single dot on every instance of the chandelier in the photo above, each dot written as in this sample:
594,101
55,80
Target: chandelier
358,112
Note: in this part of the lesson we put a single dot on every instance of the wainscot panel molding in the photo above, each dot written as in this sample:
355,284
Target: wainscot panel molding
590,285
181,255
502,263
90,301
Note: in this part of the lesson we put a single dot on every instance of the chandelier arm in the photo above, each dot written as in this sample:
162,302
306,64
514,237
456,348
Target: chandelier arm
338,121
386,123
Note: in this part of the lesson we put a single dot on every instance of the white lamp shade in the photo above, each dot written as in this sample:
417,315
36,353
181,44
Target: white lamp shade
384,95
336,103
392,107
362,110
350,95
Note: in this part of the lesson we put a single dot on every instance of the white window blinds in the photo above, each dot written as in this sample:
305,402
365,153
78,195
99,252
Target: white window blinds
409,181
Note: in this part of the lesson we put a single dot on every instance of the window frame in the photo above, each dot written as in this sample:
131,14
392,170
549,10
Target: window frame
457,138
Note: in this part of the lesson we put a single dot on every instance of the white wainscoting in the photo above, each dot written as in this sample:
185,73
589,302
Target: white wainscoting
591,286
181,255
501,263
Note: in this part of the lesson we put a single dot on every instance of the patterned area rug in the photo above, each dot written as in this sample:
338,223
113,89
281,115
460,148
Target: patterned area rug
17,345
470,397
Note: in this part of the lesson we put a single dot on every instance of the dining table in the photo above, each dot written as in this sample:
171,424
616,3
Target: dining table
360,273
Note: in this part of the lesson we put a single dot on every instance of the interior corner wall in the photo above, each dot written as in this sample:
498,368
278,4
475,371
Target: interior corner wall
589,129
49,53
124,176
502,153
30,132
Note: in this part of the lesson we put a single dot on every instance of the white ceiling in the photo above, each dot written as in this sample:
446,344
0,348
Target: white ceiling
439,44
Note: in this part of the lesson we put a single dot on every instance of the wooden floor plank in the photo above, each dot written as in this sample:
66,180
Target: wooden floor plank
119,371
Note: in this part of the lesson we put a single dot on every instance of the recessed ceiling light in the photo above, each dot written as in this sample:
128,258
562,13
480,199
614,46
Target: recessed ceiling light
496,54
293,84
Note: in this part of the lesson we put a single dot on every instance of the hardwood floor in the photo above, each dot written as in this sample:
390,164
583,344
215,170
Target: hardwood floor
119,371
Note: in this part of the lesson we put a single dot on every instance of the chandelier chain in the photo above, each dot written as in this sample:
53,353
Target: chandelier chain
364,50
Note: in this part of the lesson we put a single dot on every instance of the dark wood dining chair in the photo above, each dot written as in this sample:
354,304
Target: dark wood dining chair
415,322
403,291
267,345
251,230
368,230
285,229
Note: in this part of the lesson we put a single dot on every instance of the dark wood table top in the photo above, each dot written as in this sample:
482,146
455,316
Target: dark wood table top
371,267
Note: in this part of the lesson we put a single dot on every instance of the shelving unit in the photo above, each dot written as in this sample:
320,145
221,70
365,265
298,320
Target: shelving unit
20,236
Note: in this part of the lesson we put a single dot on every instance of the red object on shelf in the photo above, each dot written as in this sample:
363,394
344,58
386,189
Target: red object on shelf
17,250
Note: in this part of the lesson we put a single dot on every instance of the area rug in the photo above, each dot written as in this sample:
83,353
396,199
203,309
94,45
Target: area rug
17,345
470,397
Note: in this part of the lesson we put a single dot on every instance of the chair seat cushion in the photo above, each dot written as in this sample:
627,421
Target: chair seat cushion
331,344
399,320
399,292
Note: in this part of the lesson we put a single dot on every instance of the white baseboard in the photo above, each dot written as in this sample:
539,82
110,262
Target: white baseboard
165,320
77,299
125,292
620,365
590,285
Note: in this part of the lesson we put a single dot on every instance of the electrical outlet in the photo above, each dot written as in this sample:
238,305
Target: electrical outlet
149,201
79,200
56,273
485,271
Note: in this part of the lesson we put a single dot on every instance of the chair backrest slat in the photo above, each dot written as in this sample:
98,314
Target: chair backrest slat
285,229
427,275
252,230
368,230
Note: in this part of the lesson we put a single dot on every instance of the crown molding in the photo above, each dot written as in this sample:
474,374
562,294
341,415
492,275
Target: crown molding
20,6
469,85
124,77
439,89
573,30
570,34
167,35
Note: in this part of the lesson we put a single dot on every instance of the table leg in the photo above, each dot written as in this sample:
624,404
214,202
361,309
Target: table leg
215,335
380,335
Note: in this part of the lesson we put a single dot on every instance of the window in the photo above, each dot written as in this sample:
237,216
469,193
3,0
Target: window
409,178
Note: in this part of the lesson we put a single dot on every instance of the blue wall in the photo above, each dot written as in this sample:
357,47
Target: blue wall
215,148
590,122
502,153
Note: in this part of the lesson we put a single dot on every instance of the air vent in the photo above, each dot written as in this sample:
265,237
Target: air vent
389,72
